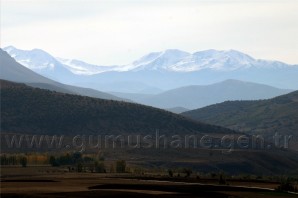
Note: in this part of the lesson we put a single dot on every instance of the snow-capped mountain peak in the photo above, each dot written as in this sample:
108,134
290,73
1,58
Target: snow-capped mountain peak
172,60
8,49
159,60
180,61
222,60
35,59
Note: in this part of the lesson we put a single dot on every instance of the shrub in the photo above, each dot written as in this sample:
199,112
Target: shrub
286,185
23,161
100,167
222,179
170,172
187,172
120,166
53,161
80,167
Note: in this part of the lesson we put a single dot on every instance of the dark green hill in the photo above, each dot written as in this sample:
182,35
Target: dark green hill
38,111
267,117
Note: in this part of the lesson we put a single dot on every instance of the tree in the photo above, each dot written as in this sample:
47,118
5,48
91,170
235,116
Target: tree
12,160
77,157
4,160
222,179
120,166
286,185
53,161
99,167
187,172
170,172
80,167
112,169
23,161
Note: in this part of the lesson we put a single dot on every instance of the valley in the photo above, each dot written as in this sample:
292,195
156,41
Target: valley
213,123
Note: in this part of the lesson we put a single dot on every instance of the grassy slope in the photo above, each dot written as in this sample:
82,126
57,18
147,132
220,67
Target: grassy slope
37,111
279,114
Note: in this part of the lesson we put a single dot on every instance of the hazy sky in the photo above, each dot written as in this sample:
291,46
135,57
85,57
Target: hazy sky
118,32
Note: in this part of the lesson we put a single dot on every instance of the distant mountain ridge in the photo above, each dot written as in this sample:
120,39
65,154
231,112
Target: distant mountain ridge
170,60
188,97
196,96
13,71
180,61
164,70
40,62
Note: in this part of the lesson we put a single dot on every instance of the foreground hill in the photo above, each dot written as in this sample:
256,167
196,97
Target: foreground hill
27,110
37,111
279,114
13,71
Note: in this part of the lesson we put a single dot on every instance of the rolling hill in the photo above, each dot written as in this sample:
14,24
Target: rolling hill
177,109
38,111
27,110
279,114
196,96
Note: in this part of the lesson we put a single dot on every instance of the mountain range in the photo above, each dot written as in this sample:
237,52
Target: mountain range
13,71
169,60
36,104
176,100
158,71
196,96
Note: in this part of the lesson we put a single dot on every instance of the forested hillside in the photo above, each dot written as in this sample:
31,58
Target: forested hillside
37,111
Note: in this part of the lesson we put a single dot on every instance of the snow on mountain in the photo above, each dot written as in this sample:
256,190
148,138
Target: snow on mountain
171,60
40,62
179,61
160,60
165,70
215,60
82,68
143,60
35,59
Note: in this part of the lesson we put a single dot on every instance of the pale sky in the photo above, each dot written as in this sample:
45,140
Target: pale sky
118,32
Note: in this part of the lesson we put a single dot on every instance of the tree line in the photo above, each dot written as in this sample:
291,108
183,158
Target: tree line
76,161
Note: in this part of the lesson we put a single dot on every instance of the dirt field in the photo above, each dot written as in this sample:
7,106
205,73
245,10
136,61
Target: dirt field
54,182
